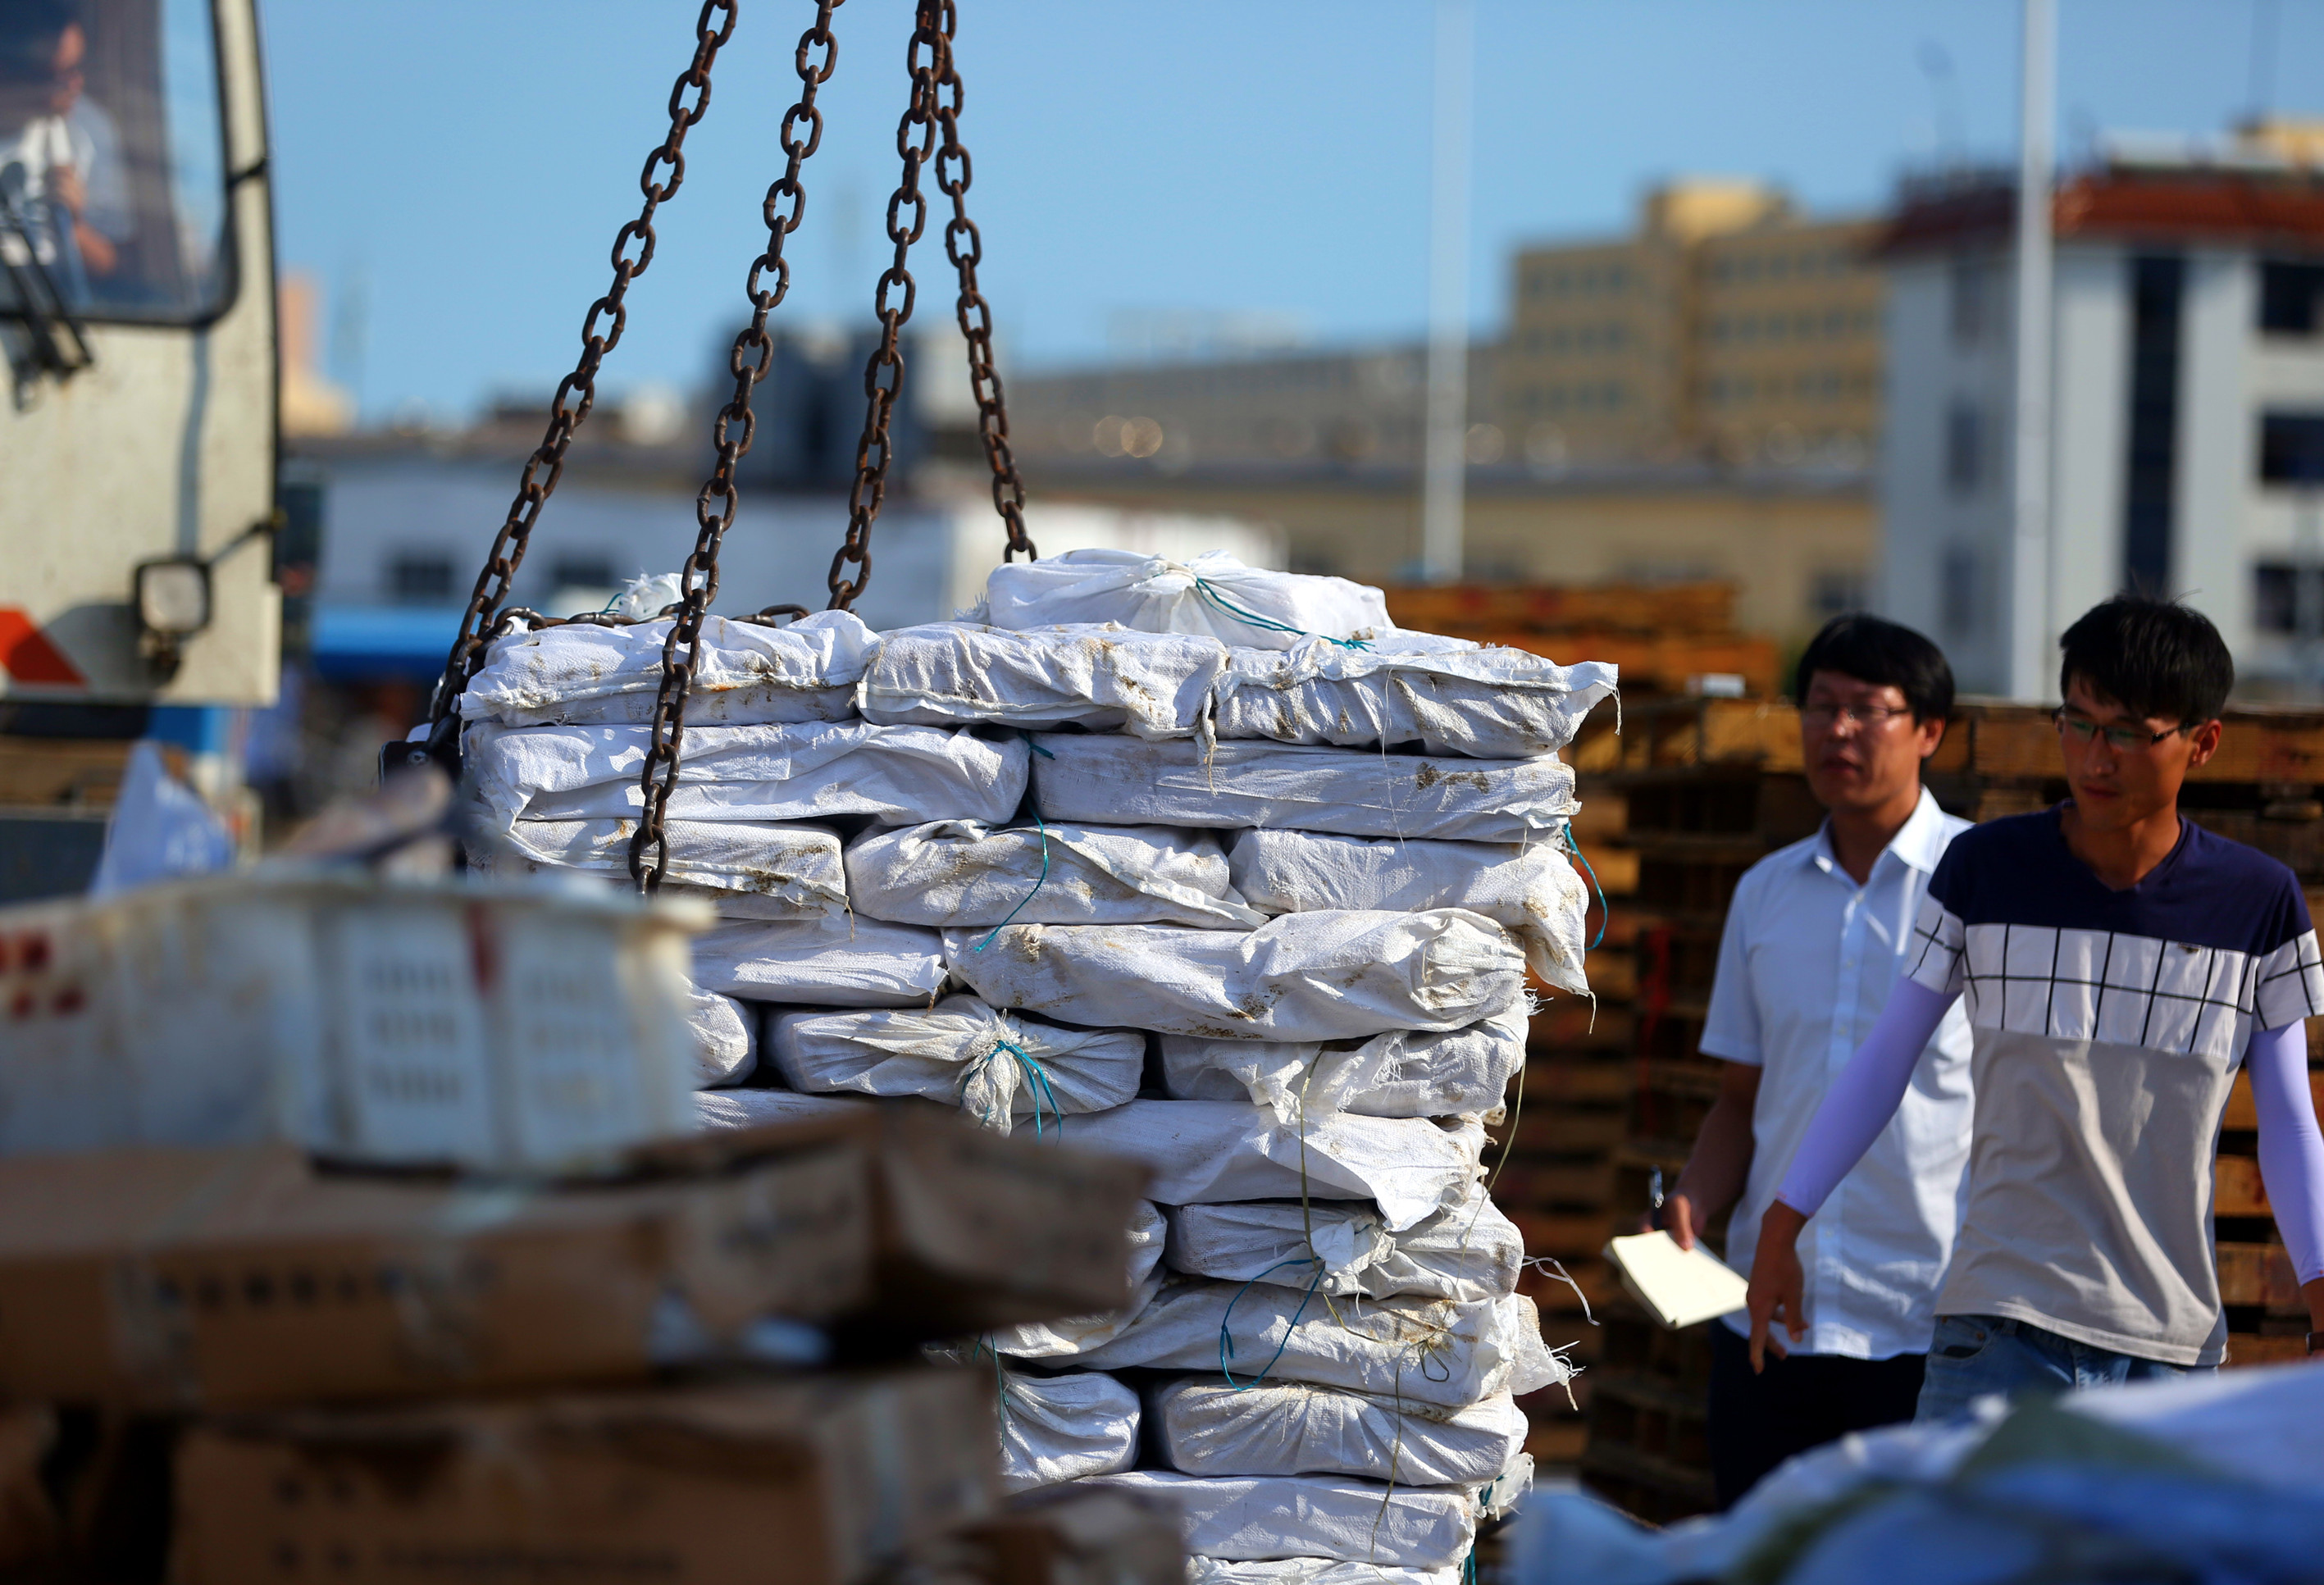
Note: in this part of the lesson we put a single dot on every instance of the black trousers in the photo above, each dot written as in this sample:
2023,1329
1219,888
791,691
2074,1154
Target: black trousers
1757,1422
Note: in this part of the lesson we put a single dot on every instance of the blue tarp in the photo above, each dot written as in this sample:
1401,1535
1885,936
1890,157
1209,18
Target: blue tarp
383,643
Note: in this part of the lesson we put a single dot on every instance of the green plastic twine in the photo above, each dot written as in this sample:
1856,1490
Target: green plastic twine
1041,879
1036,1084
1575,848
1203,587
1226,1343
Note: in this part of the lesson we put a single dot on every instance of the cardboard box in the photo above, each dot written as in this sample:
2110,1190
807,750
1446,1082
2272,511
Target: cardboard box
233,1277
812,1481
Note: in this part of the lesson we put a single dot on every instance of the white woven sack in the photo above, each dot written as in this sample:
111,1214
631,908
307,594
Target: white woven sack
1209,1152
967,873
808,771
1467,1252
1102,677
1212,592
1057,1428
1306,1515
1530,890
1314,1570
1302,977
1077,1334
1461,1072
1453,698
958,1052
1125,781
1424,1350
748,1108
1205,1427
821,962
745,673
725,1037
745,869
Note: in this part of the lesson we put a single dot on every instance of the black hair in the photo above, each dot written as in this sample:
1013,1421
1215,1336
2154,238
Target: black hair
29,32
2156,659
1885,654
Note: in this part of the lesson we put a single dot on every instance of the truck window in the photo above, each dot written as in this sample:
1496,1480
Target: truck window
113,177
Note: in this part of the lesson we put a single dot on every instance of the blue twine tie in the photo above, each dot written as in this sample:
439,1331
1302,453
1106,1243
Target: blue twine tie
1603,909
1036,1084
1203,587
1226,1343
1038,882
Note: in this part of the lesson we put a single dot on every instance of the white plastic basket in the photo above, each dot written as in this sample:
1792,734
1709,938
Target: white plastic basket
501,1028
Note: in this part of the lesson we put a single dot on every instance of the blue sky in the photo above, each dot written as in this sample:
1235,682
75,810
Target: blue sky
453,172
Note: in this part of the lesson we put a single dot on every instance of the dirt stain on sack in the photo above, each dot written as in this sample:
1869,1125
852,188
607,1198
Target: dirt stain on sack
1430,774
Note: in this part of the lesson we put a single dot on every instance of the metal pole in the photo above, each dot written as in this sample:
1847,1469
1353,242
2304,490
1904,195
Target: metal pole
2030,617
1444,481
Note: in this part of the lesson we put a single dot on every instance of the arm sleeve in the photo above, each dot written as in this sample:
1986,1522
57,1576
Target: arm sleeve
2291,1147
1865,1096
1731,1024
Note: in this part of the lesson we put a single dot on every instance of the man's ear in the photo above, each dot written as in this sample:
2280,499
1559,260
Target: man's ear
1931,732
2203,742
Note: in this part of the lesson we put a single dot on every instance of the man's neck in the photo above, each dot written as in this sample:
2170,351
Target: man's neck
1860,836
2123,857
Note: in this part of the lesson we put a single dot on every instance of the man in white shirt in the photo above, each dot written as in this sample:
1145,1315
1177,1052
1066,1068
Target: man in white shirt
1814,940
60,165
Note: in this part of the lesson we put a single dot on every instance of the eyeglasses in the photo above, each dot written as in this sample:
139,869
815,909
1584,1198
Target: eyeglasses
2123,740
1821,717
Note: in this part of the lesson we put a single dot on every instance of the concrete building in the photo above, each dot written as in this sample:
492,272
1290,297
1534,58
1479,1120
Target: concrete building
2188,426
1727,326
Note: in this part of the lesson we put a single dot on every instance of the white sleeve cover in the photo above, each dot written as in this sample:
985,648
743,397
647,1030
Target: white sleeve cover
2291,1146
1865,1096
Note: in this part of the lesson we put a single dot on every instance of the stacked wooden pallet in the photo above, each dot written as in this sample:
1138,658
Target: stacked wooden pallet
1663,635
1704,788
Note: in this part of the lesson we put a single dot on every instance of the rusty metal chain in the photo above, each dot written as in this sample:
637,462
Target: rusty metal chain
715,504
964,247
883,373
601,332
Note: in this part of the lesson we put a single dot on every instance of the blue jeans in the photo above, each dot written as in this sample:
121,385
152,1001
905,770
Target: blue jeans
1973,1355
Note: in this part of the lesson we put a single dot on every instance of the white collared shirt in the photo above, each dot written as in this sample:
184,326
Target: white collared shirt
1805,967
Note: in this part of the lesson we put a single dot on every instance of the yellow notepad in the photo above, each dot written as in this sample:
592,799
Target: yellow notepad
1678,1286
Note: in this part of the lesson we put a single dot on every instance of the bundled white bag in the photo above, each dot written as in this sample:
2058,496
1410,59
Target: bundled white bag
821,962
1422,1350
745,869
1452,698
1531,890
1208,1152
746,672
1306,1515
808,771
967,873
725,1035
1103,677
750,1108
1126,781
1057,1428
999,1070
1077,1334
1301,977
1403,1072
1467,1252
1314,1570
1298,1428
1212,592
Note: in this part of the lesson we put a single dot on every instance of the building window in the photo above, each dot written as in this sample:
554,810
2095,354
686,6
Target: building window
2278,589
2291,448
420,578
1964,448
2288,294
1957,592
1835,592
581,572
1972,293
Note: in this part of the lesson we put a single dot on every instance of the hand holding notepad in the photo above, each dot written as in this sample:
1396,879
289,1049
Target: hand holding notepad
1679,1287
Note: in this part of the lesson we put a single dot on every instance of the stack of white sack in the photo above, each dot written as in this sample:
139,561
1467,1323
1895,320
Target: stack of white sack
1201,865
776,769
1331,1347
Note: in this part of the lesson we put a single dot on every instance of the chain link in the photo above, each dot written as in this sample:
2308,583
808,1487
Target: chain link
883,373
578,392
964,247
715,505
